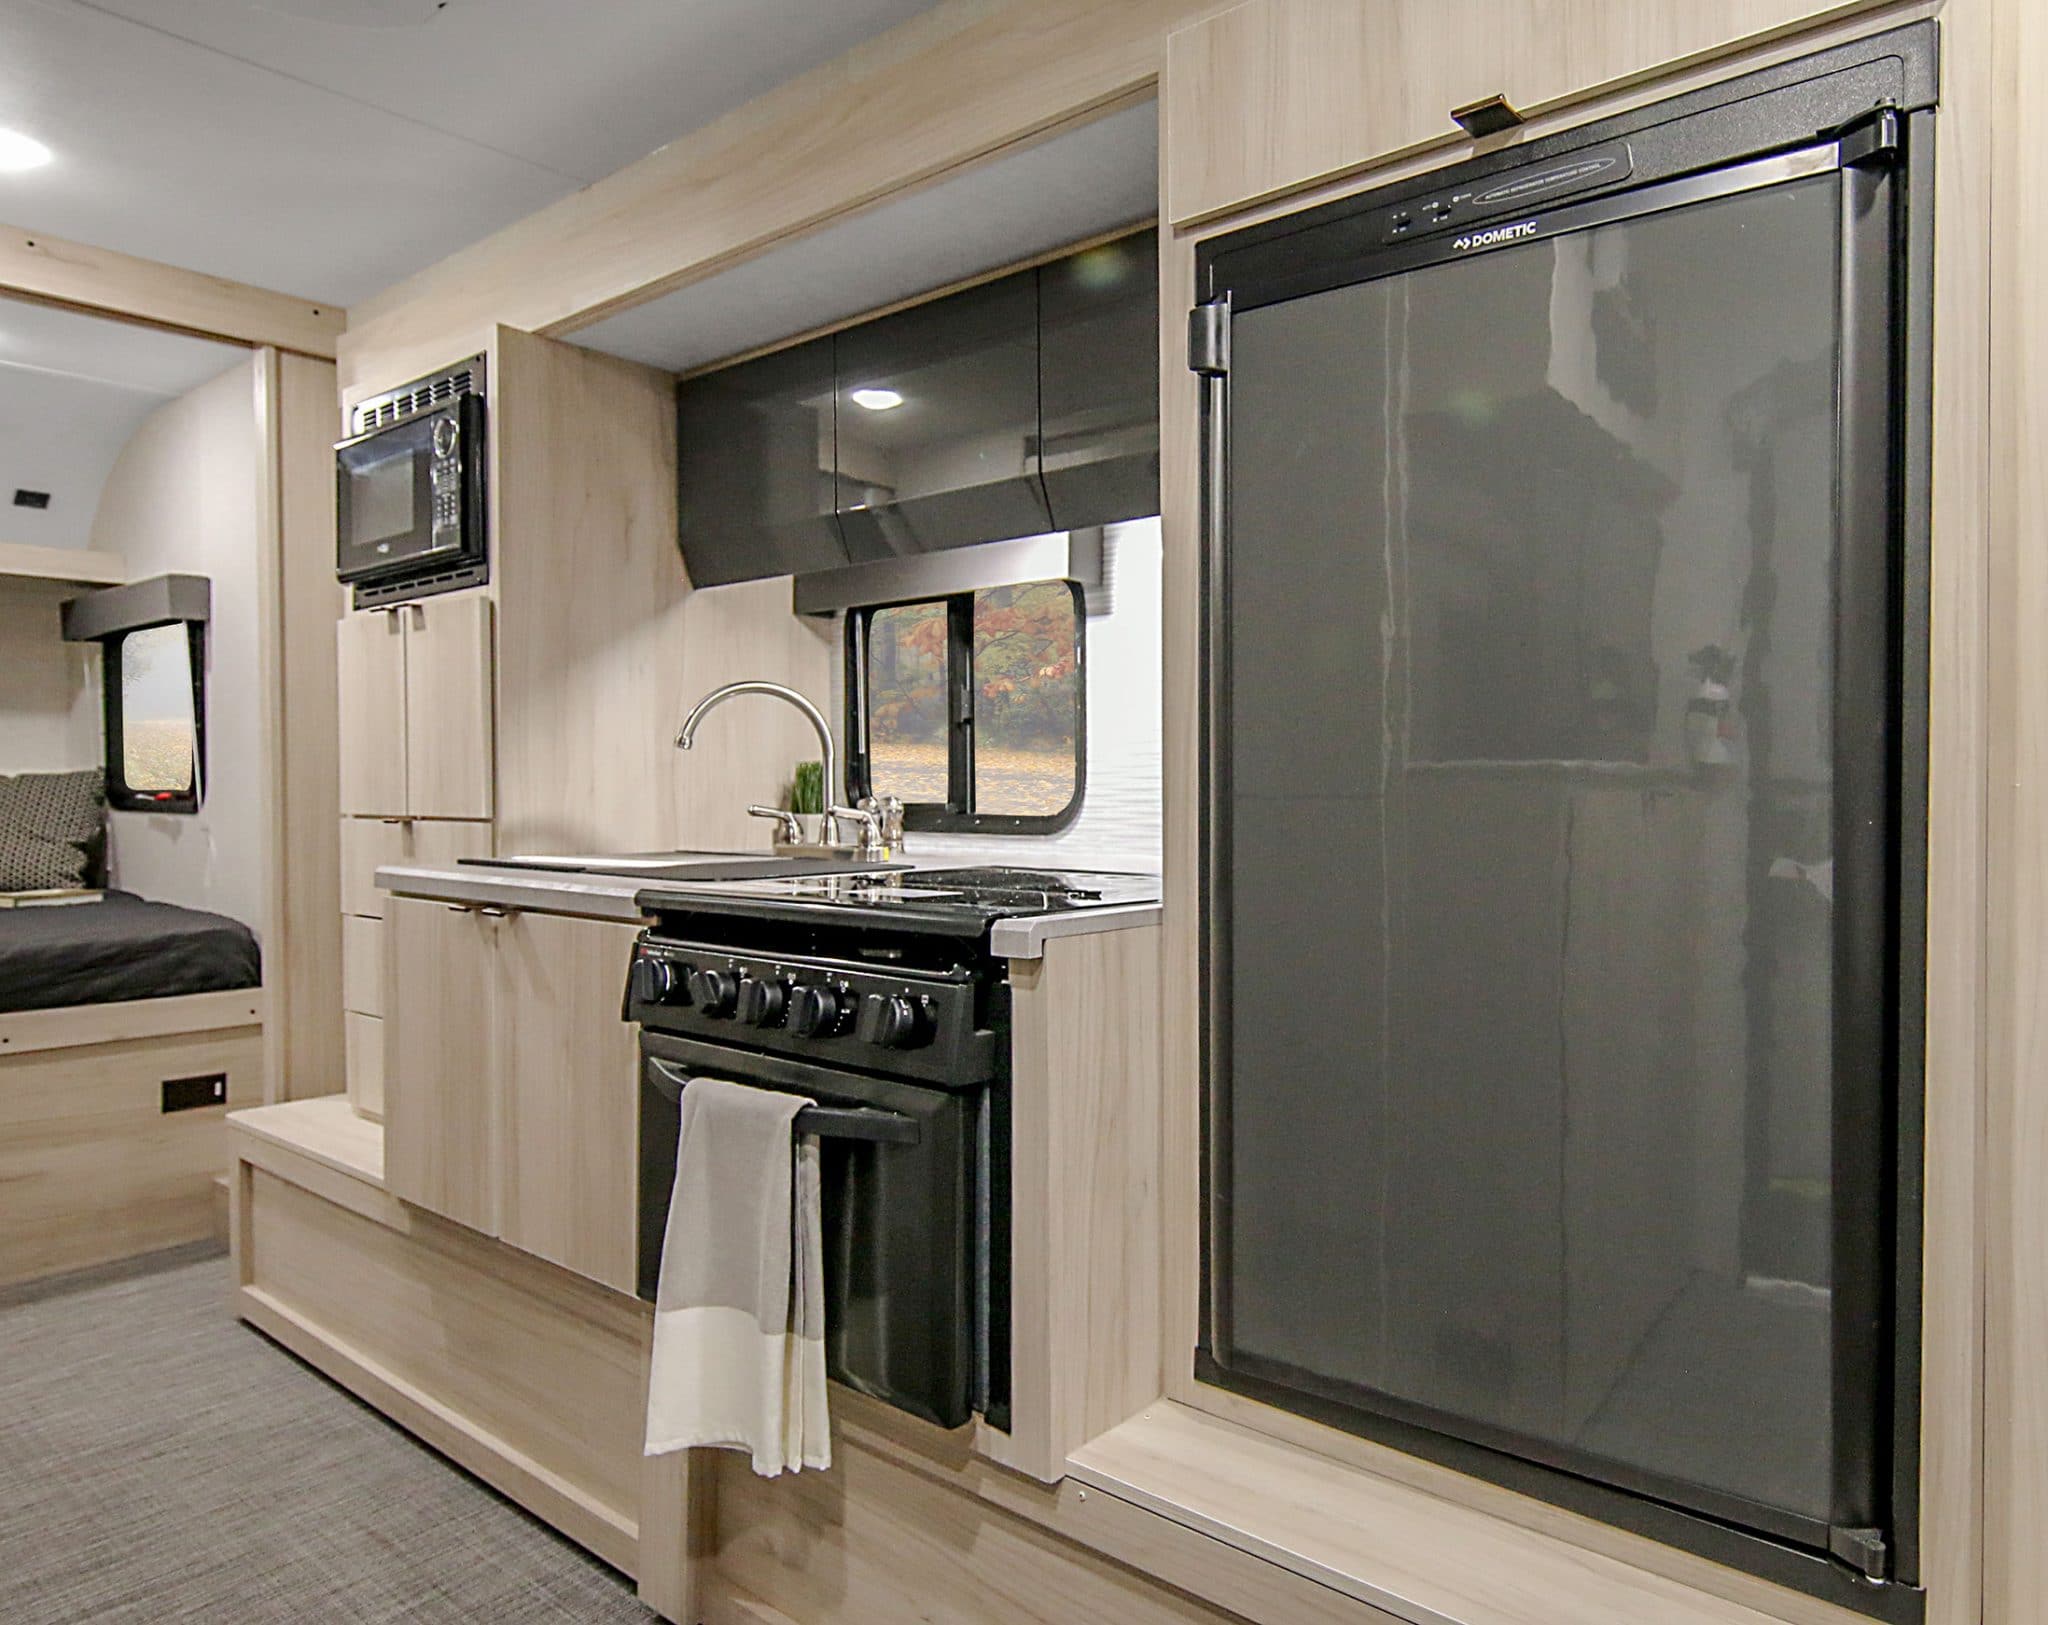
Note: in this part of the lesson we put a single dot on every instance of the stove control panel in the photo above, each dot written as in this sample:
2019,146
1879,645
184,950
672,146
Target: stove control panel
919,1023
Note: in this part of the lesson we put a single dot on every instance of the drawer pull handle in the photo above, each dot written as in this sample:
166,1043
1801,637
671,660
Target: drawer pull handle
1488,116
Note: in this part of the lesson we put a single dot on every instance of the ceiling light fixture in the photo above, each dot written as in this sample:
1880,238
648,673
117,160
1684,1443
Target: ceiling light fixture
875,400
18,151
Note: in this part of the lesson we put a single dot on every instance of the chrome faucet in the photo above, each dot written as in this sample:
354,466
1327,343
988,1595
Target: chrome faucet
718,696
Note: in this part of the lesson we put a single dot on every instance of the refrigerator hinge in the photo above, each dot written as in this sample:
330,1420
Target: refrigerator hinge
1864,1550
1882,135
1209,339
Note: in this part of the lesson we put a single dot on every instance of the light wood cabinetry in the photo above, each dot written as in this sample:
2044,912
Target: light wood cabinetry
93,1168
568,1095
416,784
529,1378
369,650
511,1089
370,844
440,1105
1274,95
416,709
362,1040
362,966
367,845
448,707
591,595
1084,1269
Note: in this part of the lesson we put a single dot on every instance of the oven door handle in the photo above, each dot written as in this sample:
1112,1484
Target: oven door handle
827,1122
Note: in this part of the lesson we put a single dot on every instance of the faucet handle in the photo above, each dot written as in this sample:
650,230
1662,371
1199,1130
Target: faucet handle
889,811
792,832
871,844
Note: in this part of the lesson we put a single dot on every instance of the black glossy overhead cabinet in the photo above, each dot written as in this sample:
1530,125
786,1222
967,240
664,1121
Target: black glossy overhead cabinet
1564,783
938,416
1022,405
755,454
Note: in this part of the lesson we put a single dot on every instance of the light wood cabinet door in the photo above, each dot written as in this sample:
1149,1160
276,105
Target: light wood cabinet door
370,669
362,965
440,1099
1276,94
363,1063
569,1082
448,748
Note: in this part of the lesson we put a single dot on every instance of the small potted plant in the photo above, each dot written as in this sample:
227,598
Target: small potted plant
807,800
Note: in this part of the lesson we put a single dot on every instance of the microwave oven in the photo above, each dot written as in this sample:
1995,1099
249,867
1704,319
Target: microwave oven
409,489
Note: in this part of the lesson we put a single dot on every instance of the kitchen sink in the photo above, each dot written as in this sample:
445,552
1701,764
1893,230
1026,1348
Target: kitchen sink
687,865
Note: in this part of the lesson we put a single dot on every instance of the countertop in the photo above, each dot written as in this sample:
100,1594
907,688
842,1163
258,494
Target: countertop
610,897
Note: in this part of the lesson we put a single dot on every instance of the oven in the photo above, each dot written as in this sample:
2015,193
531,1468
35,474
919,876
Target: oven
903,1047
409,489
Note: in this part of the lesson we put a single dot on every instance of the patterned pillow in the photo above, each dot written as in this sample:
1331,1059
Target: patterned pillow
53,830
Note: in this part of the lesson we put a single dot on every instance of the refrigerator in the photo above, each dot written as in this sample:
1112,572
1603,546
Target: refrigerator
1564,535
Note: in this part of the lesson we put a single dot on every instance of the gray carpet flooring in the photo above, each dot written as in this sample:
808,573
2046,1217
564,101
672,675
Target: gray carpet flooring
161,1461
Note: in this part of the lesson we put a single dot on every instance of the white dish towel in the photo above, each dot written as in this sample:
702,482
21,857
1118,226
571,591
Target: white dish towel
739,1314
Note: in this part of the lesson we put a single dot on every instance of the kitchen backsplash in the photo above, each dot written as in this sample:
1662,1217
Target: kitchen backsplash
1119,823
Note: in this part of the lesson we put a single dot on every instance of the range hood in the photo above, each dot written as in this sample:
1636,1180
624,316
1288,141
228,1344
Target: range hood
1020,407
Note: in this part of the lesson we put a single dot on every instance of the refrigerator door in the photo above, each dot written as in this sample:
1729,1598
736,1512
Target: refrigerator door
1553,612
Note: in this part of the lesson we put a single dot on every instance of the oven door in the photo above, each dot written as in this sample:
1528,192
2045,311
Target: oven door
905,1228
392,516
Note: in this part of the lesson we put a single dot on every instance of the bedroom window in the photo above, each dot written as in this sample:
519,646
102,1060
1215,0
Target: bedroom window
156,717
969,708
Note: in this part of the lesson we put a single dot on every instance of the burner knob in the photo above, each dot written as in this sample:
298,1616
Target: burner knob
714,991
654,981
816,1012
892,1021
763,1002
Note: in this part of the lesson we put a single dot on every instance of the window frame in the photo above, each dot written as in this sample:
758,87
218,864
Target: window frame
957,815
121,797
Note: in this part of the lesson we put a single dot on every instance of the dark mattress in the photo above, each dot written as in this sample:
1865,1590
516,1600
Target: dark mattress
118,949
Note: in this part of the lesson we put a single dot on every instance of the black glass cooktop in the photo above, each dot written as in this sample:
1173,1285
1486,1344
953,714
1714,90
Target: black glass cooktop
950,899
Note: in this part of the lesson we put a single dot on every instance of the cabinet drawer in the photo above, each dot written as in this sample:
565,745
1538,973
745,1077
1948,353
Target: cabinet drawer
438,843
1277,94
363,1052
368,844
362,965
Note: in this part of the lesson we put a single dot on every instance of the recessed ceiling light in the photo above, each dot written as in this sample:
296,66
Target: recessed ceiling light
875,400
18,151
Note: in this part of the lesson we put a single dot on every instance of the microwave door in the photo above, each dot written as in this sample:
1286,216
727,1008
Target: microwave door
384,500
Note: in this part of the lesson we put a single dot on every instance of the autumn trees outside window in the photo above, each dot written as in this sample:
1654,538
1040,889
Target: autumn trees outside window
154,699
969,708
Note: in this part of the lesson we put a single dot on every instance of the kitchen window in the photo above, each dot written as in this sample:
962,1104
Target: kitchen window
155,717
968,708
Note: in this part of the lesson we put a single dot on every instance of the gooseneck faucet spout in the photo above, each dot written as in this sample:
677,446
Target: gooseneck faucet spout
718,696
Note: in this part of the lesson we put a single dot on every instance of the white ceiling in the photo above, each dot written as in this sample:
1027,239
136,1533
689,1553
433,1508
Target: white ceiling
73,391
1072,186
329,148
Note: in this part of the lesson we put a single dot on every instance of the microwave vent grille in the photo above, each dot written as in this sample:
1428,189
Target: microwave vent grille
421,396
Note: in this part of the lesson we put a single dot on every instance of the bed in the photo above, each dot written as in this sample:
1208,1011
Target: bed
117,949
128,1030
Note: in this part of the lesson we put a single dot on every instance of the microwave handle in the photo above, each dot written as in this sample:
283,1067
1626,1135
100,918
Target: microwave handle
827,1122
